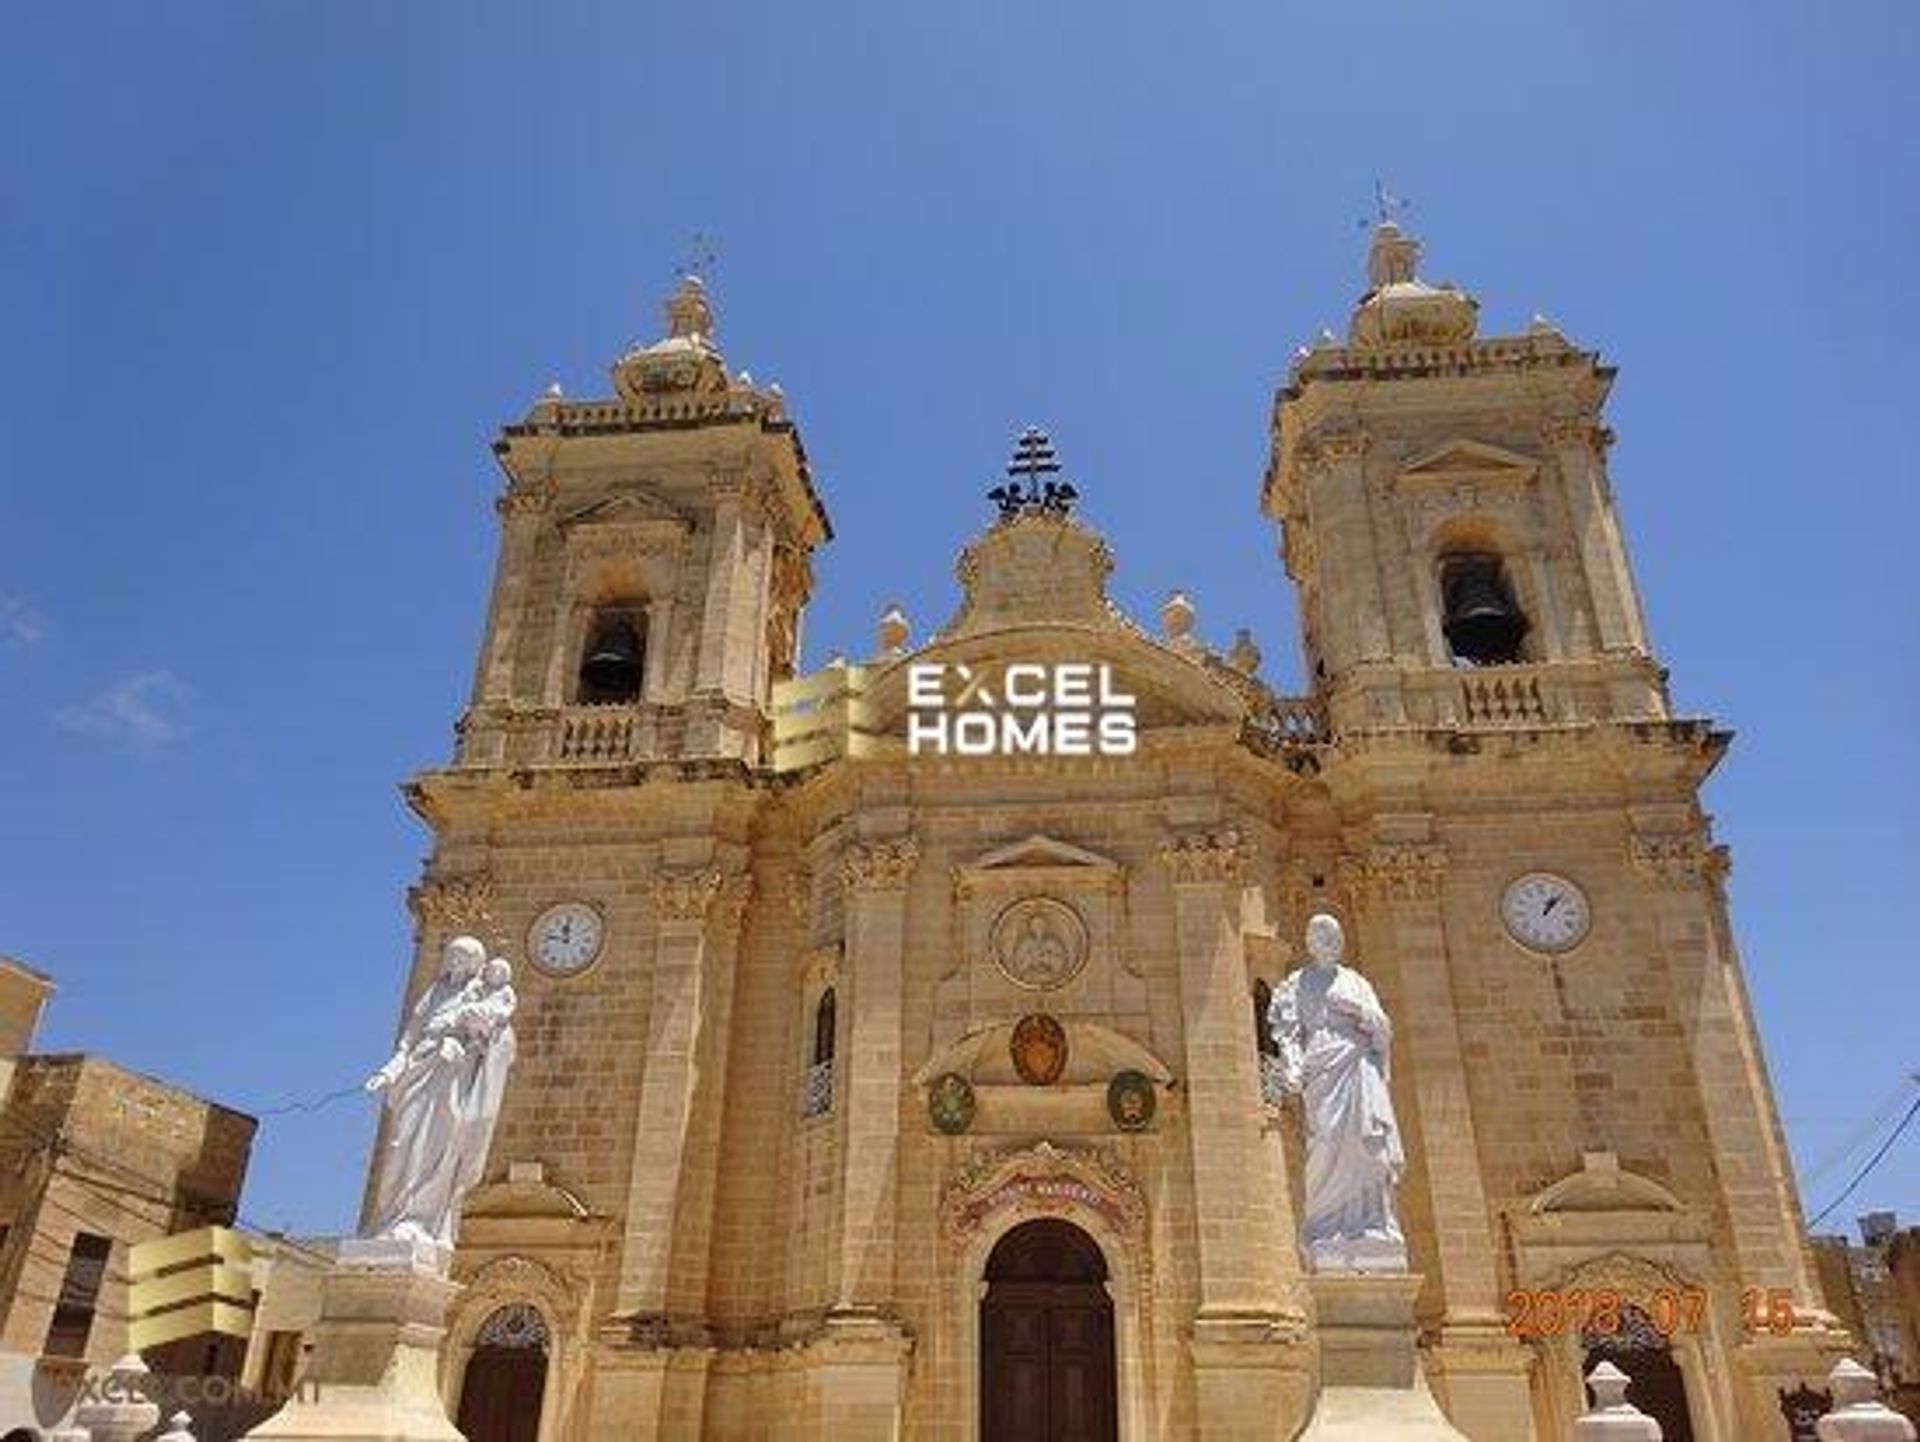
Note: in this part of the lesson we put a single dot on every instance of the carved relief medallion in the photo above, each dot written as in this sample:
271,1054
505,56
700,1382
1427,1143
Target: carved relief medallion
1039,942
1130,1101
1039,1047
950,1103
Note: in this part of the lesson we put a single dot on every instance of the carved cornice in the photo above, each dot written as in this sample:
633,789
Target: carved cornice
1397,870
1197,857
1679,859
462,902
879,865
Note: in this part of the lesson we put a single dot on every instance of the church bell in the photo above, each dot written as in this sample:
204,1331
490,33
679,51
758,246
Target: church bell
1482,623
612,669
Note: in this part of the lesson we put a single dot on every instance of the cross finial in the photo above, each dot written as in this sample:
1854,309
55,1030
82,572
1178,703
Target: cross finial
1386,206
1025,490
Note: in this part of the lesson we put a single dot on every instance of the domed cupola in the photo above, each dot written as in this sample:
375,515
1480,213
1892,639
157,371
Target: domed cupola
1400,309
686,359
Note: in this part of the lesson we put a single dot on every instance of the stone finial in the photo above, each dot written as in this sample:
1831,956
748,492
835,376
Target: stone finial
894,630
1393,257
179,1429
124,1411
689,313
1243,655
1859,1415
1176,617
1613,1418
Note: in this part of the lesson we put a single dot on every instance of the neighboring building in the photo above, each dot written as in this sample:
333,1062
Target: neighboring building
905,1094
93,1158
1873,1288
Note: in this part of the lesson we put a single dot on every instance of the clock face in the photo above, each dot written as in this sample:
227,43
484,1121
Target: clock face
567,937
1545,912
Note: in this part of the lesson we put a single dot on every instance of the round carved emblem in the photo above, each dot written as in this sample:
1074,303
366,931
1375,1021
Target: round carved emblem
1039,943
1131,1101
1039,1047
950,1103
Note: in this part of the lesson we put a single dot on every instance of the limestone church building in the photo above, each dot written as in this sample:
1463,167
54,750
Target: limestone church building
869,1090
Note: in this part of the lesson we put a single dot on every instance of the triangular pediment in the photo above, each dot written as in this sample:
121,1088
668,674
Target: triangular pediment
627,508
1462,457
1039,850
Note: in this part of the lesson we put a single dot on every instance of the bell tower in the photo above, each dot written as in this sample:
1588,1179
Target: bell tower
654,564
1446,513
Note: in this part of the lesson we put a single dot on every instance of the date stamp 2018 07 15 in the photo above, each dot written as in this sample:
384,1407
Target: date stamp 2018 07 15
1671,1311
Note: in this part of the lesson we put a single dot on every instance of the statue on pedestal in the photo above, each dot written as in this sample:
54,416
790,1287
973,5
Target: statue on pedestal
1334,1038
443,1087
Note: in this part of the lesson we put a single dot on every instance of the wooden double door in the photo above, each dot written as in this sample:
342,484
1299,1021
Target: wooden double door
1047,1370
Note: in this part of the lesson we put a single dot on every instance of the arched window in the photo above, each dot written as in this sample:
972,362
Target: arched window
823,1027
613,663
816,1097
1483,624
1262,1034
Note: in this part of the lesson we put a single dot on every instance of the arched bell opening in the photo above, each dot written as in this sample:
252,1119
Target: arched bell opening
613,662
1482,623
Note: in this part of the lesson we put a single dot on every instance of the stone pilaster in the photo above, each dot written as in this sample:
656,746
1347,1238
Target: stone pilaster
1250,1363
1351,613
739,567
523,511
1764,1228
876,876
1478,1371
1577,444
693,1228
682,903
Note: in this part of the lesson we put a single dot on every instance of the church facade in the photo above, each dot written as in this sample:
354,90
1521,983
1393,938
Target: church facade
873,1085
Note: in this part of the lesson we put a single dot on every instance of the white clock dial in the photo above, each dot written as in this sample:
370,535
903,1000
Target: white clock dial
566,937
1546,912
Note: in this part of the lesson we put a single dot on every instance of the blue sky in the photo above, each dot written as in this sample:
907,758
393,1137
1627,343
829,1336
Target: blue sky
273,273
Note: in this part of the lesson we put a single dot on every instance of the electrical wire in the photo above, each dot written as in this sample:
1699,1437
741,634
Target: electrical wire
1865,1132
1872,1162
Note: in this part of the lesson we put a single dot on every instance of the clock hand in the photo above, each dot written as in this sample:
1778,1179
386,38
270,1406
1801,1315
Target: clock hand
1552,901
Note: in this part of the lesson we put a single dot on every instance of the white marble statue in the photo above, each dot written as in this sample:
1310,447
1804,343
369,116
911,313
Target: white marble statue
444,1085
1334,1038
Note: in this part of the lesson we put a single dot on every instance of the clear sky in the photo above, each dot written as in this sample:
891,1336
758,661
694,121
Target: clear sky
272,274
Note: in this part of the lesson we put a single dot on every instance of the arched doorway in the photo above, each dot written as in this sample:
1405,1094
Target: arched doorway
1046,1338
506,1378
1656,1385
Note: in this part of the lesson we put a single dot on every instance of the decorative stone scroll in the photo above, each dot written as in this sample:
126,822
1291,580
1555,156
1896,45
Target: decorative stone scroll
1679,860
456,903
685,895
1402,870
1207,856
1577,431
880,865
1041,1181
530,499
